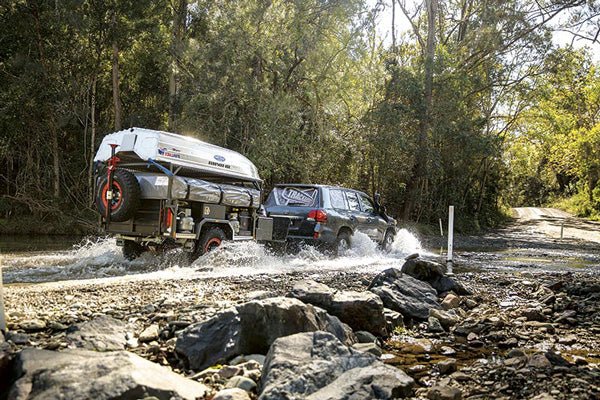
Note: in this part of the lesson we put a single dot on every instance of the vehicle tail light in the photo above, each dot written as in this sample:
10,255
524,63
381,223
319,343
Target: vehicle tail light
318,215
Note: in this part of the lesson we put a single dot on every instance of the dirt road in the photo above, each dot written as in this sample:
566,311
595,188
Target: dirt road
550,222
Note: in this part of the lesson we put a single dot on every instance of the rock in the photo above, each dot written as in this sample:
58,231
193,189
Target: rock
207,373
434,325
311,292
568,339
556,359
317,366
17,337
149,334
470,303
229,371
543,396
57,326
100,334
446,318
258,295
258,358
251,328
442,392
243,383
404,294
450,301
360,310
365,337
368,348
32,325
565,316
460,376
447,366
82,374
434,274
533,314
212,341
393,319
447,351
538,360
231,394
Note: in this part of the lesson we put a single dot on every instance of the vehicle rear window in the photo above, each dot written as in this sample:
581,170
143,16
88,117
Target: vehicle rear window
353,201
294,196
338,201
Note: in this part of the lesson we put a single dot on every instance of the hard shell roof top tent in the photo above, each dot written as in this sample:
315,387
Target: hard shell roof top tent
144,149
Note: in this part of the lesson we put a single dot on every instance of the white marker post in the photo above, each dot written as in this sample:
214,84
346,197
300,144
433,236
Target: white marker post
450,239
2,317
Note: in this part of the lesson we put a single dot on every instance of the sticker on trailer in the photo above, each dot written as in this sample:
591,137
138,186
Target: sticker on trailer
172,152
162,181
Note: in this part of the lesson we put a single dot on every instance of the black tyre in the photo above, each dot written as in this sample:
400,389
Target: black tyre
132,250
126,196
388,241
343,243
210,239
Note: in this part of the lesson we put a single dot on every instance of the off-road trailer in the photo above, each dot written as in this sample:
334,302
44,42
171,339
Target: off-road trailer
156,190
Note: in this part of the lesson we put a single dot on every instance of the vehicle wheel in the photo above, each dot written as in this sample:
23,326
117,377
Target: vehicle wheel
388,241
126,196
210,240
343,243
132,250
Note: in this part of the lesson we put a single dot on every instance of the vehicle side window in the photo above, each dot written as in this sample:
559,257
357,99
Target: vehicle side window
353,202
338,201
367,204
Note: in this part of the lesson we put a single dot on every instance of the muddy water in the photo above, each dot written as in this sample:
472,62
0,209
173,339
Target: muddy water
102,258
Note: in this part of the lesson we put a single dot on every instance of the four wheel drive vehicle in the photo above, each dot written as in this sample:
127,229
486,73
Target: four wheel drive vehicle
157,190
328,216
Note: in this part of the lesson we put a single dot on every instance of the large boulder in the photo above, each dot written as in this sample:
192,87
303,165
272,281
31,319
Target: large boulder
251,328
83,374
317,365
402,293
103,333
434,274
311,292
363,311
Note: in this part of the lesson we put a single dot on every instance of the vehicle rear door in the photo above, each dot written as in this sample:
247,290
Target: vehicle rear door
294,202
374,225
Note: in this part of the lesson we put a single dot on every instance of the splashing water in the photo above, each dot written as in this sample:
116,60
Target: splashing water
101,258
250,258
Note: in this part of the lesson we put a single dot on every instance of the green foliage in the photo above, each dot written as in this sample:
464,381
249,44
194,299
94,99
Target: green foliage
307,91
554,151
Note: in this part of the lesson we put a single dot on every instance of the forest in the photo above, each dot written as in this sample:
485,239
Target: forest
474,106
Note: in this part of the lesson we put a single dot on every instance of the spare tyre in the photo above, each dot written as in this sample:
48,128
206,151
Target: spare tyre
126,196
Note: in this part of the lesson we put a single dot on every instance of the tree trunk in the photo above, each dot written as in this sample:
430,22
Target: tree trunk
92,145
420,168
394,25
115,86
56,162
177,36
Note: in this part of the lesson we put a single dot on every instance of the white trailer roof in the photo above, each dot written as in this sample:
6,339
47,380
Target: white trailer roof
171,148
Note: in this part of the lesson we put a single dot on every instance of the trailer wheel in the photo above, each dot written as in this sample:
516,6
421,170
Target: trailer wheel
126,196
210,240
132,250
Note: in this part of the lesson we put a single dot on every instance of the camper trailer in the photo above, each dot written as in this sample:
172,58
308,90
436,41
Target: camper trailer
157,190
